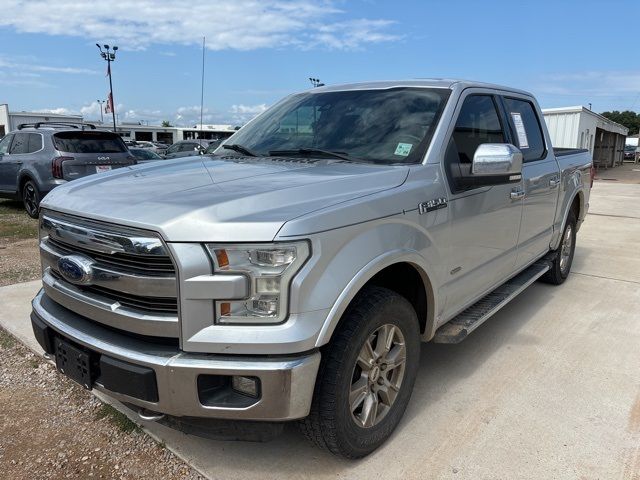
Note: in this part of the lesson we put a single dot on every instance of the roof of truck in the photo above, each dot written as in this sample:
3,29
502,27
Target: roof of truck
418,82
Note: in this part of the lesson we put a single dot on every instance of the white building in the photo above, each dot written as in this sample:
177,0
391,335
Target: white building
579,127
9,120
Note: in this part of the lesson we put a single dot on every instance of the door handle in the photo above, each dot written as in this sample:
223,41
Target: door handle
554,182
517,194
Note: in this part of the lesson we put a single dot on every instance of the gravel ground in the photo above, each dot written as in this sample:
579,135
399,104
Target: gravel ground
19,260
51,428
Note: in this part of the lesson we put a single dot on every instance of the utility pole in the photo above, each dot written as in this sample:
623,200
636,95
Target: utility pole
202,89
110,56
100,102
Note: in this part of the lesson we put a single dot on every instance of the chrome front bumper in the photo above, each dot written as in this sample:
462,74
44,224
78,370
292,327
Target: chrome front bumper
286,382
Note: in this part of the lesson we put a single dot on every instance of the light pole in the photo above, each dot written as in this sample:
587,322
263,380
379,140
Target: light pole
110,56
100,102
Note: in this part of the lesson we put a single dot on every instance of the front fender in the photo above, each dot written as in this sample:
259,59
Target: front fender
344,260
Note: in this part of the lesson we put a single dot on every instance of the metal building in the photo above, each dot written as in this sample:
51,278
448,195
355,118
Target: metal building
579,127
10,120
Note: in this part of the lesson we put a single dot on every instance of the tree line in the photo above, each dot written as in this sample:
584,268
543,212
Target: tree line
629,119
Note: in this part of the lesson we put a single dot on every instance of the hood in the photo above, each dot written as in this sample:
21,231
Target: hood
220,199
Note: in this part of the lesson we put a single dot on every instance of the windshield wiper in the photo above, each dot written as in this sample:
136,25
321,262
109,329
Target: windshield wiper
236,147
316,151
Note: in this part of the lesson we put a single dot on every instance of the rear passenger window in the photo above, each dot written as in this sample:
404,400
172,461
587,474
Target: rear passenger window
478,123
5,143
20,144
526,128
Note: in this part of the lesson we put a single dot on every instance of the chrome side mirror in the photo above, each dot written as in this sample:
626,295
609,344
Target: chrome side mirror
497,159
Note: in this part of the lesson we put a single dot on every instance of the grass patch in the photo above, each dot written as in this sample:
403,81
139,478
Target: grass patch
6,340
120,420
11,206
15,224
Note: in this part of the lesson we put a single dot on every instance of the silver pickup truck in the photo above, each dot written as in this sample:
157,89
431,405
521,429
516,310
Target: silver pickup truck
292,274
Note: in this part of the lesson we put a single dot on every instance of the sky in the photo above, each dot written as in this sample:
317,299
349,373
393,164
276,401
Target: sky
566,52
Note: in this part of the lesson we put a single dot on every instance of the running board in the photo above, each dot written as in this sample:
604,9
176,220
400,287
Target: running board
466,322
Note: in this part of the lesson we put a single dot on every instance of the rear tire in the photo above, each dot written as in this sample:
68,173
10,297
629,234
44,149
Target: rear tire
364,385
31,198
563,255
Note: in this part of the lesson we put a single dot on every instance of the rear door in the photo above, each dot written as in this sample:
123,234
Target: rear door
484,221
85,152
541,176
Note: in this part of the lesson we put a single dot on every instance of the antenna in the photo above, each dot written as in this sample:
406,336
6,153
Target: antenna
202,88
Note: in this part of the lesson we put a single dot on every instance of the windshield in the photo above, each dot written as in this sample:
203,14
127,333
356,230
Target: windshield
382,126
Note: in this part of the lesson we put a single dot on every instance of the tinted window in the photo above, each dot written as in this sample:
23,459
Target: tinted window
20,144
143,154
478,123
384,126
526,128
186,147
4,144
35,142
89,142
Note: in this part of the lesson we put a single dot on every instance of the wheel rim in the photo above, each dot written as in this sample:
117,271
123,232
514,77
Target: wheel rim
565,251
30,200
377,376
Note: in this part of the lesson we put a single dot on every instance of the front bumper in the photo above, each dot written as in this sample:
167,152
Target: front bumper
286,382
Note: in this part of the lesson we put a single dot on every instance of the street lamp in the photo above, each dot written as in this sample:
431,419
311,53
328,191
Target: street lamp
100,102
109,56
316,82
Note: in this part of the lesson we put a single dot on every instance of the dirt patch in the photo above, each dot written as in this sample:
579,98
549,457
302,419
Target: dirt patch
51,428
19,257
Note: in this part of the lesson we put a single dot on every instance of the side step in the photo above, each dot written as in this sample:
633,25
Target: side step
467,321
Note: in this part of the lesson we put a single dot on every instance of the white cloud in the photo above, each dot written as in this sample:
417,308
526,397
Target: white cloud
591,83
29,68
58,111
241,114
227,24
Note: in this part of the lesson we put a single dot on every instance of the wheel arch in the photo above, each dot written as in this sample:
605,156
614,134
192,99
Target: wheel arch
576,205
396,270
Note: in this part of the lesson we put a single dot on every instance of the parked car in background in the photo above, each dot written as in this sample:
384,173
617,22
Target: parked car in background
630,152
294,276
38,157
187,148
144,155
212,147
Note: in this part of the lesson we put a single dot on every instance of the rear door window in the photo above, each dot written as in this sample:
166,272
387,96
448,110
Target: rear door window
20,144
186,147
526,129
89,142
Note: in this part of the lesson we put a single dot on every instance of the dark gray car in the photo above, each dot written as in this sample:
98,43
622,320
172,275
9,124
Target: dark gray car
187,148
38,157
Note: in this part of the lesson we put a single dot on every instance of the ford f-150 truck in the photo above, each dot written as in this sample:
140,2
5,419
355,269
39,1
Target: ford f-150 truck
293,273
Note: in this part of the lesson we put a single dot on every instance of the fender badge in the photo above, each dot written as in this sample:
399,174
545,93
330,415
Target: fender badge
432,205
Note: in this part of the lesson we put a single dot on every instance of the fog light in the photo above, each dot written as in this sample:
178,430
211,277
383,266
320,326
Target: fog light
246,385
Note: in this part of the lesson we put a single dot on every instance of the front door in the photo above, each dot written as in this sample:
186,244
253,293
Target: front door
541,176
6,170
483,221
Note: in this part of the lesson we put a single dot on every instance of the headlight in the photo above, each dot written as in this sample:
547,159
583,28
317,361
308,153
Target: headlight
269,268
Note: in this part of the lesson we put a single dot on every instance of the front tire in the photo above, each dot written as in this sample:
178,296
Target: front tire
366,375
563,255
31,198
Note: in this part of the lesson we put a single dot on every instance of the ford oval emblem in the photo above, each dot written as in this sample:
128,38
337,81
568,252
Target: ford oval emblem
76,269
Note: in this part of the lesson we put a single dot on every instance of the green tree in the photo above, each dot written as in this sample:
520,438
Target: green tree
166,123
629,119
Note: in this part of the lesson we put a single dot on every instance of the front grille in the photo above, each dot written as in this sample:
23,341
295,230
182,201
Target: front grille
131,280
148,304
138,264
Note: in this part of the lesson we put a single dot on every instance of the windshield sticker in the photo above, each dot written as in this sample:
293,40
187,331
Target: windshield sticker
523,141
403,149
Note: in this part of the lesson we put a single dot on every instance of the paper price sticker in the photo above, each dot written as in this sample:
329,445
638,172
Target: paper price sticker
523,141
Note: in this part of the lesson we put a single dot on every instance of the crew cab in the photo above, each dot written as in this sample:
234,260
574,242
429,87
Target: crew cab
293,274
